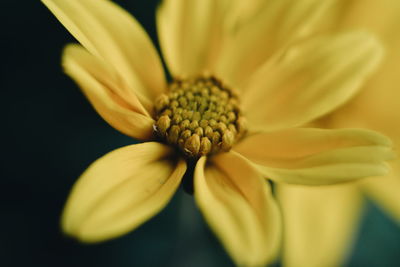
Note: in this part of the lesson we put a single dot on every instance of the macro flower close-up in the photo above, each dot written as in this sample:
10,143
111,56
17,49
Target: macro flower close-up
247,111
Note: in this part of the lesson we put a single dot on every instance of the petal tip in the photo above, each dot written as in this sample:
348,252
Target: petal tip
371,45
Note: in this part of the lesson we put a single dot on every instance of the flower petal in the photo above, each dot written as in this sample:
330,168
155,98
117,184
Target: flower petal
190,33
319,223
111,34
100,86
381,17
309,80
238,205
258,38
315,156
385,191
377,106
121,190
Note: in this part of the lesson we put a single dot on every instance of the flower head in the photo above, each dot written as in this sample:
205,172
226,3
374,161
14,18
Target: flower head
241,89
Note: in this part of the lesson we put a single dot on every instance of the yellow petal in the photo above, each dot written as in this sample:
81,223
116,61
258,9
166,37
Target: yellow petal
99,85
309,80
258,37
241,12
238,205
105,74
385,191
315,156
381,17
111,34
377,106
319,224
122,190
190,33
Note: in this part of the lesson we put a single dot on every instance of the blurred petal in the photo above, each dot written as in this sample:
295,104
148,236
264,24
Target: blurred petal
190,34
319,224
376,106
101,88
238,205
122,190
380,17
110,33
385,191
258,38
315,156
309,80
241,12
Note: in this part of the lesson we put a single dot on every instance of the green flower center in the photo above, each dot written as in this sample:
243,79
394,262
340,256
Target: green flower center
200,116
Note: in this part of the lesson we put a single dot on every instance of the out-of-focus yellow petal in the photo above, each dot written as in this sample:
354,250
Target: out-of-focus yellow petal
103,73
238,205
111,34
315,156
309,80
258,37
190,34
385,191
381,17
122,190
241,12
101,88
319,224
377,105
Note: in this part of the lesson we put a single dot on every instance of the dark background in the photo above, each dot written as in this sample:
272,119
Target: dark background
50,134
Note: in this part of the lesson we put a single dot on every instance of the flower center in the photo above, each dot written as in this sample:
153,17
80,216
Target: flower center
200,116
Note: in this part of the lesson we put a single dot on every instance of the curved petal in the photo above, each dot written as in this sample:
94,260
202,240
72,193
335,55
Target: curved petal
319,223
309,80
238,205
385,191
121,190
241,12
315,156
110,33
190,34
381,17
101,88
257,39
377,106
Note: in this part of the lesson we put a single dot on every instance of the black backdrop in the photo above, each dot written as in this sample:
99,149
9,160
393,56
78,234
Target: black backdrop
50,134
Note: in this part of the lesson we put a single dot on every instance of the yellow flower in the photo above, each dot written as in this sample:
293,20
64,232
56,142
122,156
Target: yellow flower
228,67
320,223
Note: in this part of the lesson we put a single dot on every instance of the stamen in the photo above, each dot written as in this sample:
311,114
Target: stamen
200,116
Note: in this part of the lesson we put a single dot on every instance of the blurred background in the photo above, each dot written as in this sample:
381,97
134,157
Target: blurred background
50,134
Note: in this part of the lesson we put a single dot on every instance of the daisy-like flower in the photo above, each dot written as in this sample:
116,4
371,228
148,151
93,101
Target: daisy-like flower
320,223
244,81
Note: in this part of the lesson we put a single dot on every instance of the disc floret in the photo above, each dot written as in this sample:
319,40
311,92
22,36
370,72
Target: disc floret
200,116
